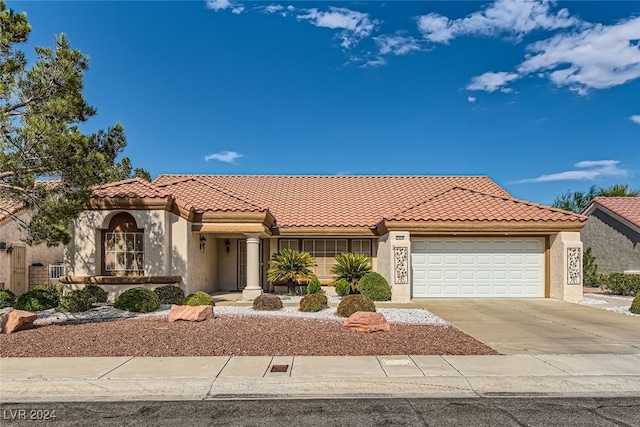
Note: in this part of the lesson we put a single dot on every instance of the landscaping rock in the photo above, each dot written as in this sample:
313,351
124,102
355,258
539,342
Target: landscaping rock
16,320
364,321
196,313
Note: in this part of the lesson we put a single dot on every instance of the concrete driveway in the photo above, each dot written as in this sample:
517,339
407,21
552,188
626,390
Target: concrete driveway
540,326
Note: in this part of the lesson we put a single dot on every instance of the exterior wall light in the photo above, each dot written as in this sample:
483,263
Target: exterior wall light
227,245
203,242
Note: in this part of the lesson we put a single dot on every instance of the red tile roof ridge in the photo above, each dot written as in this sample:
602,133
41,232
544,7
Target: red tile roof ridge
576,216
182,175
149,185
218,188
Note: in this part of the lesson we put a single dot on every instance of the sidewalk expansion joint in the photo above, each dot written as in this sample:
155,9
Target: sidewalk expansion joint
120,365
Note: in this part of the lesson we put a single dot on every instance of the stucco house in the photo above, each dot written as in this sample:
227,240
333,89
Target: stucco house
21,266
613,233
429,236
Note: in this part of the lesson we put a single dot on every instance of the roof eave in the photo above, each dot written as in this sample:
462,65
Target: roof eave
545,227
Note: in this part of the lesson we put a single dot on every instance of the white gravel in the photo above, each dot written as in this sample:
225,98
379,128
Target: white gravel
592,301
621,310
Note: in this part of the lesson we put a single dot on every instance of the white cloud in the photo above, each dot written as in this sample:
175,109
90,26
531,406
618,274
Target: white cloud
635,118
471,98
224,156
587,170
599,57
218,5
515,17
490,82
354,25
396,45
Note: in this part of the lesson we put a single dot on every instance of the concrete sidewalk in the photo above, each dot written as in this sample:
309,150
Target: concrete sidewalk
251,377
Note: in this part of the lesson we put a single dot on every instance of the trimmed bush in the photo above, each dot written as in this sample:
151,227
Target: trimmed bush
343,287
139,300
374,286
199,298
353,303
170,294
635,305
589,269
7,298
313,302
621,284
54,290
314,286
267,302
76,301
37,299
98,294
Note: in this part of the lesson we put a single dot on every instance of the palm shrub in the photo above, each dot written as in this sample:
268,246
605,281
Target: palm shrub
292,267
374,286
99,294
342,287
353,303
589,269
314,286
7,298
199,298
351,267
313,302
170,294
139,300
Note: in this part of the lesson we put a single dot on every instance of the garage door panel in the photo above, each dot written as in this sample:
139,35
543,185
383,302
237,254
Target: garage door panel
478,267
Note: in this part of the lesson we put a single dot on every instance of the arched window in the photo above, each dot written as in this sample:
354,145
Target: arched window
123,247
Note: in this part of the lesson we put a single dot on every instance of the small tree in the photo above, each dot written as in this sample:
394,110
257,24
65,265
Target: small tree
578,200
351,267
589,269
292,267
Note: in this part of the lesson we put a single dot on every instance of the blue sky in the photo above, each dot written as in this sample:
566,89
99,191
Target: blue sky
541,96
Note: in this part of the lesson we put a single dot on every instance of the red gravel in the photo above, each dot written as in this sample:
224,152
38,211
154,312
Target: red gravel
234,336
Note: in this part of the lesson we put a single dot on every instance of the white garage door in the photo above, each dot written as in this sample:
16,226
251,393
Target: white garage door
477,267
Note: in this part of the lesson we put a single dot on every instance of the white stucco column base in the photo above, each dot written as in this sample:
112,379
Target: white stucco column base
565,259
253,289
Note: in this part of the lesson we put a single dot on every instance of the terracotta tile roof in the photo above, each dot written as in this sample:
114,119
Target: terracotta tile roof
129,188
348,201
9,207
626,207
461,204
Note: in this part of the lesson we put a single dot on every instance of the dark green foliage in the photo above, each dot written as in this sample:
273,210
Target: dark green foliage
313,302
374,286
351,267
578,200
343,287
76,301
621,284
291,267
199,298
37,299
139,300
55,290
589,269
267,302
171,294
353,303
7,298
314,286
635,305
98,294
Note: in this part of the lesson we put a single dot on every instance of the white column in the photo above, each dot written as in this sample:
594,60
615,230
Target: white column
253,288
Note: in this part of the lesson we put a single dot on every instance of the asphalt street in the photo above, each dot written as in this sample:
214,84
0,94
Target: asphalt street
498,411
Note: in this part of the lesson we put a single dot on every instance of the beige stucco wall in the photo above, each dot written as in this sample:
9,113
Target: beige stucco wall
558,267
13,235
227,271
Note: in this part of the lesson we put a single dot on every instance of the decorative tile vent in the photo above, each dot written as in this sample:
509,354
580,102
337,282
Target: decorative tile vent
401,257
574,269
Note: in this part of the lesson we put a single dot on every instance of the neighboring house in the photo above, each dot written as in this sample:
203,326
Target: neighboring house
429,236
21,266
613,233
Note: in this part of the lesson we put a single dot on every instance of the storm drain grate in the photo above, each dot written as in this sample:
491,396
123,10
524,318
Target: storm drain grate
279,368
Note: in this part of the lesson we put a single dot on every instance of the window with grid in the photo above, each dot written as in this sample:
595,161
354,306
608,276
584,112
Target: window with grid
324,251
361,246
289,244
124,251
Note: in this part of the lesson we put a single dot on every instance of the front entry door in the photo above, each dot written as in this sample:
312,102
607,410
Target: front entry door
242,264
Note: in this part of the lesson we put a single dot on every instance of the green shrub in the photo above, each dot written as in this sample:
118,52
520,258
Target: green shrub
267,302
199,298
7,298
37,299
374,286
76,301
139,300
313,302
351,267
621,284
98,294
314,286
170,294
353,303
54,290
589,269
635,305
343,287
